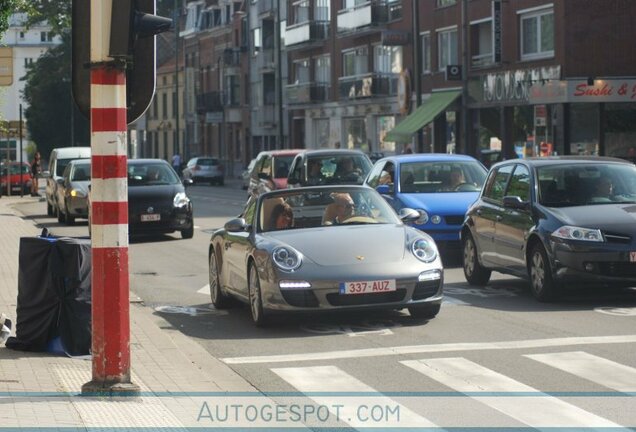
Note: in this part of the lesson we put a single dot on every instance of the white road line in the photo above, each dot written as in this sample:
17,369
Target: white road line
418,349
465,376
205,290
596,369
332,379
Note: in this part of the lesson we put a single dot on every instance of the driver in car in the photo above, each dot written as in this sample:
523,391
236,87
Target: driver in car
346,170
456,178
340,210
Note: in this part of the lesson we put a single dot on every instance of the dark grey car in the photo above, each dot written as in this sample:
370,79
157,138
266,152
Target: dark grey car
558,221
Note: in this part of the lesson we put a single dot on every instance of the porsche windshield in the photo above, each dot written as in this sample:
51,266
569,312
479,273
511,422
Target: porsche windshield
324,207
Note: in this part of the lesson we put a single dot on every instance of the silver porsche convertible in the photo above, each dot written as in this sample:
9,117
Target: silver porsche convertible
325,248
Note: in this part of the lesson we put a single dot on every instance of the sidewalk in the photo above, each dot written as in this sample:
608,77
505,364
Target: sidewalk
177,377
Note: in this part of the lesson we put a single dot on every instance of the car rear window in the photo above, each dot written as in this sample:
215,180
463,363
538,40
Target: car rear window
208,162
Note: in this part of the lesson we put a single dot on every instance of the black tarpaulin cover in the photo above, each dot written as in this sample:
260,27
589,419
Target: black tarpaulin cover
54,294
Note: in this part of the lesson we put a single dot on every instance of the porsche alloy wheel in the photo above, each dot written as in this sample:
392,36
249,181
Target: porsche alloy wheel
256,302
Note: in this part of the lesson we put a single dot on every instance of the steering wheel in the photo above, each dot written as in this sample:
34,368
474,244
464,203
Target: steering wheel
465,187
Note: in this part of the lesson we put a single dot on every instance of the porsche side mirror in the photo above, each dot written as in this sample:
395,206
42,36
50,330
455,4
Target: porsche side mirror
408,215
236,225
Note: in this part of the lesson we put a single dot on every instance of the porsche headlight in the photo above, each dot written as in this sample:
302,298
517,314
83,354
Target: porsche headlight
180,200
423,217
78,193
424,250
567,232
286,258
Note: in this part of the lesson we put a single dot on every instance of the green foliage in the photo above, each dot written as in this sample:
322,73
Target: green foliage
57,13
7,7
48,94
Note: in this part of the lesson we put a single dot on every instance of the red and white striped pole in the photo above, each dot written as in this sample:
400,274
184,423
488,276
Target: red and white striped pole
109,214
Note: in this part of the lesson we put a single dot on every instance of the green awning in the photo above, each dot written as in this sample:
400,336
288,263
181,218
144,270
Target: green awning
422,116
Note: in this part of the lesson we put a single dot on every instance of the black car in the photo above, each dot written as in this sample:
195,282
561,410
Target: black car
157,200
558,221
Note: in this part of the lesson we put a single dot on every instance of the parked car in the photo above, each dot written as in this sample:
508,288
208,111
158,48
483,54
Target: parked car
558,221
15,178
270,171
204,169
324,248
440,186
245,175
157,200
59,159
328,167
72,191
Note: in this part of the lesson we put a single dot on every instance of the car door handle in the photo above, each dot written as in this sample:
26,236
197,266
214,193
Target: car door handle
499,218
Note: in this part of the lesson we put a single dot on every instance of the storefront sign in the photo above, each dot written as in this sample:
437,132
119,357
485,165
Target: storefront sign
395,38
514,85
580,91
540,115
496,30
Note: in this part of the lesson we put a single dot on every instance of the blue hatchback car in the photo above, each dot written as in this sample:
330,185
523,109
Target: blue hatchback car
440,186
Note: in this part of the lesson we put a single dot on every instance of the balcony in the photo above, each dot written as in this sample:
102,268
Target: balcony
306,32
265,59
374,84
210,102
307,93
372,13
482,60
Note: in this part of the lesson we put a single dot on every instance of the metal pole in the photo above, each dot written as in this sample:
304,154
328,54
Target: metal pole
109,214
417,73
279,81
465,147
21,161
8,164
177,14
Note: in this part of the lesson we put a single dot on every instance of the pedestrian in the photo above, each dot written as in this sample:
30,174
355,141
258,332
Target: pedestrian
176,163
36,170
408,150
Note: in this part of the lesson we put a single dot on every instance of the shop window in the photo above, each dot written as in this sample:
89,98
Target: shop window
355,130
537,34
481,44
620,130
383,125
321,133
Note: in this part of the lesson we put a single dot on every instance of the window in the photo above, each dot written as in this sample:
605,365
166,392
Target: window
520,183
443,3
481,43
355,62
496,183
426,52
175,106
388,59
301,71
349,4
537,34
447,48
42,36
301,11
164,105
21,35
256,41
355,130
322,11
321,133
323,70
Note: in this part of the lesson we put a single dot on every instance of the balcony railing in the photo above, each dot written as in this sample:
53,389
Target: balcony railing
210,102
482,60
265,59
307,31
371,13
374,84
307,93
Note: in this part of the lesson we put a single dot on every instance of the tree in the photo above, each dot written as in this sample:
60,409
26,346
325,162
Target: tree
56,13
48,94
7,7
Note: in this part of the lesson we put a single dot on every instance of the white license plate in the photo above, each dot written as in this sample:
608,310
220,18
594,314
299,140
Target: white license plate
365,287
150,217
632,257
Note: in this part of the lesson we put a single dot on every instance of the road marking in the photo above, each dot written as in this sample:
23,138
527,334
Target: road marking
327,379
418,349
468,377
364,328
617,311
596,369
205,290
452,301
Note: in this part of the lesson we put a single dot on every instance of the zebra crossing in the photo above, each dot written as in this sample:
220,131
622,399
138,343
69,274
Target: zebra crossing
484,388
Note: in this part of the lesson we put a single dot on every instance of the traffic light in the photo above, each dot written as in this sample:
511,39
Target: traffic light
132,24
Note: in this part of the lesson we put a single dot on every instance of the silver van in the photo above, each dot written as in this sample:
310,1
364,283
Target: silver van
59,159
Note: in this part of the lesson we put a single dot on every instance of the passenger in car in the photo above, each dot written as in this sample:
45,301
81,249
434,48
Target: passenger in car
282,217
603,190
314,172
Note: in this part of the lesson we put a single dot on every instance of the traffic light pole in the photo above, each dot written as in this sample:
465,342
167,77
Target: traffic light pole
109,213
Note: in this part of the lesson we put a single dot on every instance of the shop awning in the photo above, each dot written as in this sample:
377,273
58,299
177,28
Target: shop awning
422,116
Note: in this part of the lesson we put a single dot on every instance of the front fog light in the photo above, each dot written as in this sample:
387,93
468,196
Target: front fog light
286,284
436,219
429,275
